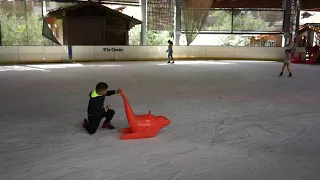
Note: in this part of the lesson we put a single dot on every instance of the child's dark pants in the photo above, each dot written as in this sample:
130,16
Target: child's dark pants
95,121
170,56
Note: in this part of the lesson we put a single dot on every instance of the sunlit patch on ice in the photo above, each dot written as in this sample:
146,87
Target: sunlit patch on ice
45,67
56,66
110,65
197,62
19,68
248,61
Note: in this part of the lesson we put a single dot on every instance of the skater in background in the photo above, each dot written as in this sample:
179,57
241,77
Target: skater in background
169,51
286,62
96,109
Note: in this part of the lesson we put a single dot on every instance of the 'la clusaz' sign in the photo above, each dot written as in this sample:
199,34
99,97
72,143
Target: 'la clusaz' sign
113,49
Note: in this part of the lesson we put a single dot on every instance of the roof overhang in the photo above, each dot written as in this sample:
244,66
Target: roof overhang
60,12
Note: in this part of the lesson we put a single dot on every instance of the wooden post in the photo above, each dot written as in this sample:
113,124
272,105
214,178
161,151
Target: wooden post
65,30
177,22
127,32
104,31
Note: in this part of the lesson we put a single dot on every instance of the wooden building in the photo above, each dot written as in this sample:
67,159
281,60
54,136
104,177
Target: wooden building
309,34
91,23
271,40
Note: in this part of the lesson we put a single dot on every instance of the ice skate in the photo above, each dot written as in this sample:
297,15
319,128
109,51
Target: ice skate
107,125
85,123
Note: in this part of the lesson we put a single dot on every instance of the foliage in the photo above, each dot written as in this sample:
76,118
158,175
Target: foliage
134,36
223,21
154,38
235,40
34,29
24,30
241,22
248,23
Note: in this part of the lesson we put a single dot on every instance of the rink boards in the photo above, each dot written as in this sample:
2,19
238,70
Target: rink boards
49,54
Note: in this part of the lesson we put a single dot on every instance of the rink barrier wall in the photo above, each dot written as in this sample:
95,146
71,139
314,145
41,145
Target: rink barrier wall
59,54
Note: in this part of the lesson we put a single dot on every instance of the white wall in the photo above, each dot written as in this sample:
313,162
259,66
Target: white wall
39,54
9,54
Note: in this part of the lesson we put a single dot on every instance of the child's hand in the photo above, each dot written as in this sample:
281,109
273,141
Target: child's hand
108,107
119,91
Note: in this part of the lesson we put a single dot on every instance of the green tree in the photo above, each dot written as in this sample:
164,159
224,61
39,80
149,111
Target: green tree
223,21
12,29
241,22
134,36
23,30
248,23
154,38
235,40
34,30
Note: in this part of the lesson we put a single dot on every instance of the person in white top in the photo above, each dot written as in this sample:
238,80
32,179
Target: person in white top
286,63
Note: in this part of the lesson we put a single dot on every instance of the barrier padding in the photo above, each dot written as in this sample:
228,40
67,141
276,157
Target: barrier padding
60,54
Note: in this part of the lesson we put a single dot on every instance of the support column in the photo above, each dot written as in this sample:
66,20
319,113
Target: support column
143,35
296,32
295,16
44,8
177,22
286,22
297,25
0,35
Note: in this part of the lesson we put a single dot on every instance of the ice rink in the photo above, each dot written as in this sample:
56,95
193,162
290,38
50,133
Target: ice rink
231,120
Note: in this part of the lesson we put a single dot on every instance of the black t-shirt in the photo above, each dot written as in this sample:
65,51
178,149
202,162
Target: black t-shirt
96,103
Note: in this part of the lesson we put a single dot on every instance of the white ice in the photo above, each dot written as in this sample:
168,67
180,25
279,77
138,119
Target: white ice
230,121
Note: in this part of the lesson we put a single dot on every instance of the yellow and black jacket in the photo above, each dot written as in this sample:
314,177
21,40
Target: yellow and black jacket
96,103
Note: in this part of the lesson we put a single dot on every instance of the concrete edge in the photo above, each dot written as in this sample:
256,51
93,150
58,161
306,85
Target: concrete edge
141,59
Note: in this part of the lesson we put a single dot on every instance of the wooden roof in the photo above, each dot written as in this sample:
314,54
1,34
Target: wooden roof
246,4
310,5
313,26
60,11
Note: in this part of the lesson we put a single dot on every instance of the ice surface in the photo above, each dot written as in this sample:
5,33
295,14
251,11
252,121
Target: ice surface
230,121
